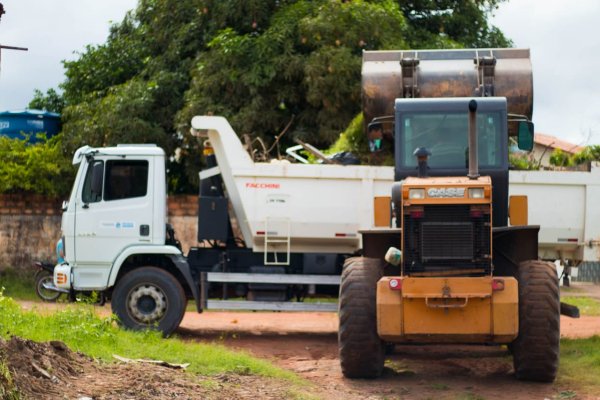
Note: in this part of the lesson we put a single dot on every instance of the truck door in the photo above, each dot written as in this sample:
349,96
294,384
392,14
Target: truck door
114,211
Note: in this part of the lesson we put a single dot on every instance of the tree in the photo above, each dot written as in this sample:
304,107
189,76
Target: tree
260,63
305,66
433,22
51,101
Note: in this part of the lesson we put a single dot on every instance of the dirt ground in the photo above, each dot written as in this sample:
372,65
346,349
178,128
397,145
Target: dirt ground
48,371
305,343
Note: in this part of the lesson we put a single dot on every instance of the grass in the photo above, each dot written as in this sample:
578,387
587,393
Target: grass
570,289
580,363
82,330
587,305
19,286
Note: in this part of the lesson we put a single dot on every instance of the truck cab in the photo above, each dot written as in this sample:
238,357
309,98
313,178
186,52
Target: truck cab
115,233
117,202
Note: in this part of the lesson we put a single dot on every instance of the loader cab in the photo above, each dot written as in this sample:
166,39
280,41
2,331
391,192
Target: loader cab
441,126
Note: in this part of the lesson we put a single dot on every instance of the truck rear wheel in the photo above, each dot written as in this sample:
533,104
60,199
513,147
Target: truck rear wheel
361,349
149,298
536,349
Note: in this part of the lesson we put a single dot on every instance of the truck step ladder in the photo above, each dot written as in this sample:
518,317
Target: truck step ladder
275,238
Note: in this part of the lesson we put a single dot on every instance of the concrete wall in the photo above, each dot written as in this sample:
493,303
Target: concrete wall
30,227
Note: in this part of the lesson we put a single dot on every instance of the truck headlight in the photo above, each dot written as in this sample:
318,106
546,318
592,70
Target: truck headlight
476,193
416,193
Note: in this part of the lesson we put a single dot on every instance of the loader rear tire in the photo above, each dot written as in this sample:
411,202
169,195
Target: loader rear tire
361,349
536,349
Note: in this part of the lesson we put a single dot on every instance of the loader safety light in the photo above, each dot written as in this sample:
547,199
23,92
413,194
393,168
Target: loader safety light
497,285
476,193
395,284
416,193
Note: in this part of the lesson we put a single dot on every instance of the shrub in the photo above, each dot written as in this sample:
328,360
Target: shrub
40,168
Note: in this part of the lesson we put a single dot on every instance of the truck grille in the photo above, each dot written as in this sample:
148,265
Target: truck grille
447,238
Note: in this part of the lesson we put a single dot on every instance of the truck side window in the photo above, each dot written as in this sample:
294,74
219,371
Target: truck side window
87,195
125,179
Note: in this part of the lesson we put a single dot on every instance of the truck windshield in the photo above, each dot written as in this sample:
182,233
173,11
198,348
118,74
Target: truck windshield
445,135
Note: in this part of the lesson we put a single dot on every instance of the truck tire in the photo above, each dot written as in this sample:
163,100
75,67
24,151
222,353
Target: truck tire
361,349
536,349
149,298
41,277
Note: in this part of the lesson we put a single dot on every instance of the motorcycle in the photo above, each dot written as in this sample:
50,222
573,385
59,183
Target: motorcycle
47,291
44,284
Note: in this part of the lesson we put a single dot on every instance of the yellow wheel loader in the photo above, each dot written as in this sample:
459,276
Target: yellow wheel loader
450,268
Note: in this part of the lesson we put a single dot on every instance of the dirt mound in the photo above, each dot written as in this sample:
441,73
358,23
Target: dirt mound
52,371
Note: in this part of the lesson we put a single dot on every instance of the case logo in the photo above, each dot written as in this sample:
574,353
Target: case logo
446,192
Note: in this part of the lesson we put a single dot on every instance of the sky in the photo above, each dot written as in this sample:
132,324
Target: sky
565,53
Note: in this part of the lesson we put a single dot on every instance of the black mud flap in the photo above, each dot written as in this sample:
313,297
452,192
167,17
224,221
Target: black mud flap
183,267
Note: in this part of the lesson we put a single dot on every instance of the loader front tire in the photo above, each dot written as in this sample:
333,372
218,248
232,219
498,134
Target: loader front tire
361,349
149,298
536,349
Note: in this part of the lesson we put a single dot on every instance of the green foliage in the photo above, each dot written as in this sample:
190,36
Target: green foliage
452,23
560,158
81,329
305,65
522,162
260,63
51,101
41,168
589,153
354,140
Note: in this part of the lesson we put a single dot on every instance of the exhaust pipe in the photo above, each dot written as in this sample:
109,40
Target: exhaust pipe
473,156
50,286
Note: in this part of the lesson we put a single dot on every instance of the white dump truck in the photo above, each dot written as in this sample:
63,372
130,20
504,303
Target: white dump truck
563,204
295,226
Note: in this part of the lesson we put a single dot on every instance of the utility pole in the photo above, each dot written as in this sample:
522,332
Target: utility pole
2,12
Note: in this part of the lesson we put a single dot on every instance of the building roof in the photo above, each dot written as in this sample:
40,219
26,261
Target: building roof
555,143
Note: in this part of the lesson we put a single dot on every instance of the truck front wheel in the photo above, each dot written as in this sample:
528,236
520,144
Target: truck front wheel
536,349
361,349
149,298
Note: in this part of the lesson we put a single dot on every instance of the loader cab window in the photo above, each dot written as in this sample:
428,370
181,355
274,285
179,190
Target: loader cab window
446,136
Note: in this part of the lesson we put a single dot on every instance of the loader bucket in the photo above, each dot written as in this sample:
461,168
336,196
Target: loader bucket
387,75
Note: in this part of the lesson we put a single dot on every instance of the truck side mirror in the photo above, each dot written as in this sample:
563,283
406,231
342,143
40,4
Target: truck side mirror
525,135
97,177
